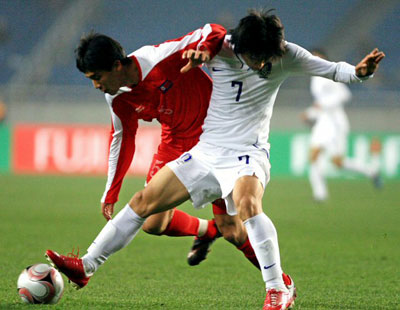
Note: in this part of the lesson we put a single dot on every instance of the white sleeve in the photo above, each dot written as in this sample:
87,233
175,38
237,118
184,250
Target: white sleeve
298,60
114,148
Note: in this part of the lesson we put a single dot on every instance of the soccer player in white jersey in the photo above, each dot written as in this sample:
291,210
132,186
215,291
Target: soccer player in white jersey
329,134
179,103
231,159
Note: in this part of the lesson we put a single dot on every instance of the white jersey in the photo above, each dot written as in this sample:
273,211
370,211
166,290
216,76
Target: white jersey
332,126
242,101
330,97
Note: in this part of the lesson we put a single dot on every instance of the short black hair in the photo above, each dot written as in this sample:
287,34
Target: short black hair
260,34
98,52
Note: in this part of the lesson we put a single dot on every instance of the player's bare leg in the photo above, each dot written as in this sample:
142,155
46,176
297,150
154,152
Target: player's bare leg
247,196
157,223
162,193
174,222
233,230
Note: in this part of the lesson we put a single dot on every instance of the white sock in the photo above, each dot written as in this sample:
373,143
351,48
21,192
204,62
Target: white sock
354,166
317,181
264,240
117,234
203,227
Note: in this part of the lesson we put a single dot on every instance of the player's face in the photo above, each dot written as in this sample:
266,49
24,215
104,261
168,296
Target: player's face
107,81
253,62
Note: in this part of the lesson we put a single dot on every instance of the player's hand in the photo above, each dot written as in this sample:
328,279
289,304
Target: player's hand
370,63
195,57
316,106
107,209
304,117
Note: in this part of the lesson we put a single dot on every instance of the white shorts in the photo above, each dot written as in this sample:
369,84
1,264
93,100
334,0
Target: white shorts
330,133
209,172
332,140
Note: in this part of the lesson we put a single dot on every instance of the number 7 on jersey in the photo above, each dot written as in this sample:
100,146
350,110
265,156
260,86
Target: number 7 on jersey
240,84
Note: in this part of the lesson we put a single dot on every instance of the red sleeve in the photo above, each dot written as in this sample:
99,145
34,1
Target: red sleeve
213,38
210,37
122,148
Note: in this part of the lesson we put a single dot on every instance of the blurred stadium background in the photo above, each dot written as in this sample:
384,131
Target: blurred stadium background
341,254
40,86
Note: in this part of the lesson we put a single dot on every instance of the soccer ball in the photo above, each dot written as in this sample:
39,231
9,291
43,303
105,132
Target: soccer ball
40,284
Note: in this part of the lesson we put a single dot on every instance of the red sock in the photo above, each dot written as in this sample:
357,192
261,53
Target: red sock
211,232
248,251
182,224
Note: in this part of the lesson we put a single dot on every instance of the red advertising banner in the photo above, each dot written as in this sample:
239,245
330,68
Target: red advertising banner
75,149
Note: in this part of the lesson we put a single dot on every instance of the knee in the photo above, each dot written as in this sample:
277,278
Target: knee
140,204
248,206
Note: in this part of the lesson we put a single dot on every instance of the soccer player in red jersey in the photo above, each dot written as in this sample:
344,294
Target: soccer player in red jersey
179,104
146,86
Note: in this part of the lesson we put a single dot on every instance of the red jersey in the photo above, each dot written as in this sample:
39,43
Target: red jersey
178,101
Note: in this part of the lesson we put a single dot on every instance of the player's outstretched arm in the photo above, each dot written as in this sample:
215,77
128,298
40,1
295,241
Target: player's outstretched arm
370,64
196,58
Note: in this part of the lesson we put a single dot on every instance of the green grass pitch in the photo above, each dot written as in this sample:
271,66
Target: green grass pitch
344,254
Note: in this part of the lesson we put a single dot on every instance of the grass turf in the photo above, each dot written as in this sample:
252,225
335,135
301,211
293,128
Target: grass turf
343,254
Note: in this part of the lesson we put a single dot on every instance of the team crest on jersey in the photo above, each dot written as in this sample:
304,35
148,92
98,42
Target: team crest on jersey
265,71
164,87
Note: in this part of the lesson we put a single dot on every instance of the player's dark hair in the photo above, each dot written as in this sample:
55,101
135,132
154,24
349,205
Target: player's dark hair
259,34
98,52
